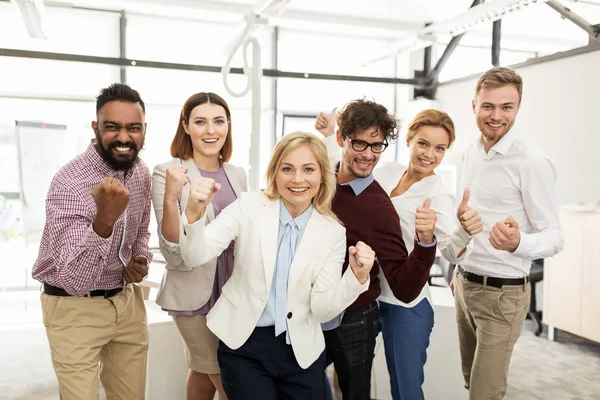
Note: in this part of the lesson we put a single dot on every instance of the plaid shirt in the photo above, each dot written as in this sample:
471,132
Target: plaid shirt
72,256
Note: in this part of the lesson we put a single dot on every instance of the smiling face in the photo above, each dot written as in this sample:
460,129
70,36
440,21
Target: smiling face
358,164
207,127
495,111
120,132
427,149
298,179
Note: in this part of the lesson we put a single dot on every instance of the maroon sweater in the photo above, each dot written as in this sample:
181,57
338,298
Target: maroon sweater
371,217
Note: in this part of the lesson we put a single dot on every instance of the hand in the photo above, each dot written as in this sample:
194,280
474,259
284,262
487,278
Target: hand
175,180
452,287
361,258
425,219
505,235
469,218
111,198
202,191
137,270
325,123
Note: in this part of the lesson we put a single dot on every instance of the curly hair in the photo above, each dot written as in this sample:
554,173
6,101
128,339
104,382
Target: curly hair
362,114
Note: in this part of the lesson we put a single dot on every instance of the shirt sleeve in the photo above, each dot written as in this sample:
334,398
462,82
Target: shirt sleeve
330,294
201,243
406,274
452,238
333,150
80,255
140,245
169,250
538,178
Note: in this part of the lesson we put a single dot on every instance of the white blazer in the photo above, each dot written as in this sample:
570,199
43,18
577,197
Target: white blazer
182,287
317,290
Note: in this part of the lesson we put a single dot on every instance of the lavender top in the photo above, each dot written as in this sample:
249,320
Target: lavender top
222,199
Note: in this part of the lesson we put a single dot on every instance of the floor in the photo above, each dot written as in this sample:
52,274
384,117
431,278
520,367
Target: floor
567,369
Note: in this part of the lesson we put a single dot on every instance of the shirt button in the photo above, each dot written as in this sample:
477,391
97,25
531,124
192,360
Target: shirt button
289,315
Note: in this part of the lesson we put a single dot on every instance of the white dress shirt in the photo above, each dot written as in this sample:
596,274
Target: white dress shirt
449,234
514,178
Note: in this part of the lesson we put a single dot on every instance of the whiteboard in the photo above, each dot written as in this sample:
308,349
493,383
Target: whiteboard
42,150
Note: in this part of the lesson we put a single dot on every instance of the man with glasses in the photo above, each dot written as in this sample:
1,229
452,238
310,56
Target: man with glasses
365,129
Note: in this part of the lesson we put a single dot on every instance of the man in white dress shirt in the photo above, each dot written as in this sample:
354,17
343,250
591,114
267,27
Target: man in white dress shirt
512,185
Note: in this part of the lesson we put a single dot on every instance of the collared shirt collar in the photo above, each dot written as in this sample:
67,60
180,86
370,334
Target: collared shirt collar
358,185
503,144
105,169
300,221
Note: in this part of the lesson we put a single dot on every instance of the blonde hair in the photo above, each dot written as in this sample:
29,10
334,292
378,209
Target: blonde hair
500,76
435,118
322,200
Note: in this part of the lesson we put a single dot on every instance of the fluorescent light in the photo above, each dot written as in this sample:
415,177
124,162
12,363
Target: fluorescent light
32,12
482,13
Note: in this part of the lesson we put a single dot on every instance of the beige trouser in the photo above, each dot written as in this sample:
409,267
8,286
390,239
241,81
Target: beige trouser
489,323
86,333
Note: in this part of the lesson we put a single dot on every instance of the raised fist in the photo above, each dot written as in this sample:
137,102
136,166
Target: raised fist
361,260
176,179
202,191
111,198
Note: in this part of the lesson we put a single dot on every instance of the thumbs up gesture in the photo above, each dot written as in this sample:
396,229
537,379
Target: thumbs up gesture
361,260
425,219
469,218
505,235
202,191
325,123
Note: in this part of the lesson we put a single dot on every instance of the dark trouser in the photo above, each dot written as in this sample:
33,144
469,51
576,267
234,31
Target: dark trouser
265,368
406,334
351,346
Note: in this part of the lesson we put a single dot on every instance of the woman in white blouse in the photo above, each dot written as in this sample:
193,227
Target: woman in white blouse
406,327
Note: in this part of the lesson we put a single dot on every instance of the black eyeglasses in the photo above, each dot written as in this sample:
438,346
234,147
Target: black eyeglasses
361,145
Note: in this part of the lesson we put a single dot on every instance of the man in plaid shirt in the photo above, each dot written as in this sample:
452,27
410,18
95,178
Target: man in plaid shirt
94,247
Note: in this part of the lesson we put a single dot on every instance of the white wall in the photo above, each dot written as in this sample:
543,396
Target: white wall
558,113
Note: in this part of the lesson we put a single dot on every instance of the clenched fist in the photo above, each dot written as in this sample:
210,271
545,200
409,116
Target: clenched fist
505,235
361,261
202,191
136,270
425,220
111,198
325,123
469,218
176,179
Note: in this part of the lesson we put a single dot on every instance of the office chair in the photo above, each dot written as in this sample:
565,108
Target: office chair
536,275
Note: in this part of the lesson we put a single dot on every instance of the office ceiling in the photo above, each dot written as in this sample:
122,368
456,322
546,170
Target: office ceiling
536,28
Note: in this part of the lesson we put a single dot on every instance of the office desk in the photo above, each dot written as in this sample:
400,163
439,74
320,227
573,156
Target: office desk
443,376
571,278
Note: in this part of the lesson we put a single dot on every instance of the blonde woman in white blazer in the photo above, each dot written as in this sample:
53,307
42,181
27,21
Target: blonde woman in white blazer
201,147
416,190
287,277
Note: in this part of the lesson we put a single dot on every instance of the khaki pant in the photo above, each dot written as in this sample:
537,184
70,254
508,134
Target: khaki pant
91,334
490,321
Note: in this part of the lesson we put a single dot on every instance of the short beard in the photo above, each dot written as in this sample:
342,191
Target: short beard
106,154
